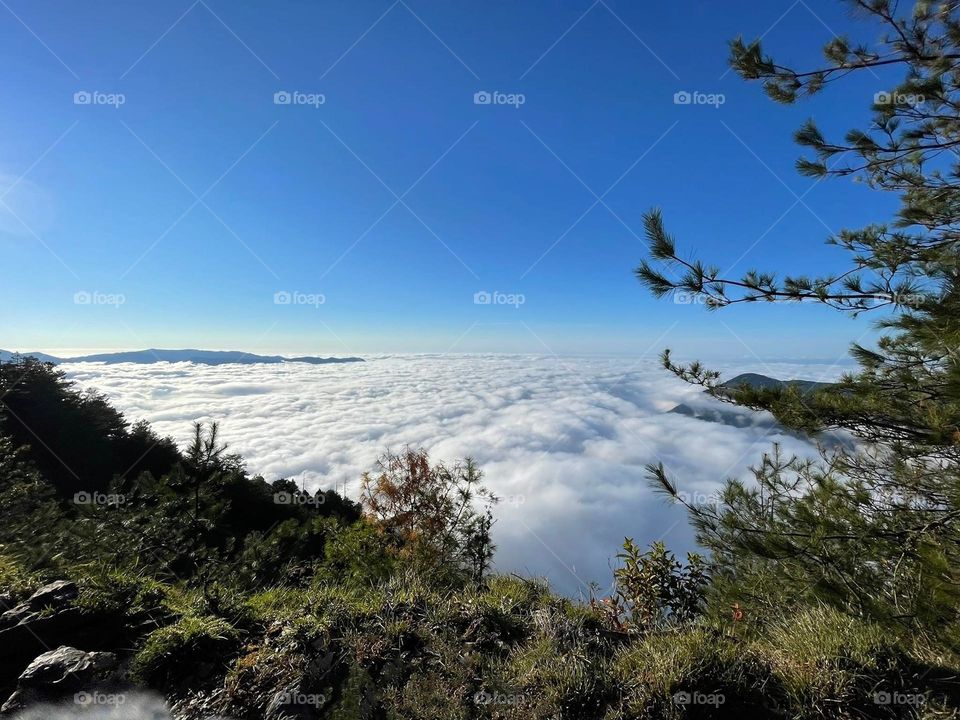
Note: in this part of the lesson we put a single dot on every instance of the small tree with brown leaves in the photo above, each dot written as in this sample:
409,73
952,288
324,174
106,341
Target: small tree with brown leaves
431,512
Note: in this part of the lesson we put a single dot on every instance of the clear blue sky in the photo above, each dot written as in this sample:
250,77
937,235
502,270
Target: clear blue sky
199,198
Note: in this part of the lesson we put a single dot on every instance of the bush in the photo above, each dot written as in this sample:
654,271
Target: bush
428,511
654,589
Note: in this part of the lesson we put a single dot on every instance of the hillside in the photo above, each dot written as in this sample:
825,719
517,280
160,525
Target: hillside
756,381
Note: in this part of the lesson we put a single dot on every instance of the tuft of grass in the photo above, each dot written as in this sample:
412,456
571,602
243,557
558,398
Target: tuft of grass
549,680
15,580
176,651
825,659
124,594
277,604
696,660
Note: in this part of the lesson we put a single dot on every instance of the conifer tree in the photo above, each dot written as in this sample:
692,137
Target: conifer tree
876,530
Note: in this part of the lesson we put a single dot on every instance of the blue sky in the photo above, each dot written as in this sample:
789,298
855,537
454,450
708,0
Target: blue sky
174,218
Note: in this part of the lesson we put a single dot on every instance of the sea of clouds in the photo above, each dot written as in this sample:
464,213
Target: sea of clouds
562,440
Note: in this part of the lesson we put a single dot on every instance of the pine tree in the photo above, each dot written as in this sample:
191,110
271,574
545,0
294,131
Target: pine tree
877,530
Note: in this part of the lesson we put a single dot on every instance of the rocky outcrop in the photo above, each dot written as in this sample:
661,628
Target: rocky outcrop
55,595
66,674
49,619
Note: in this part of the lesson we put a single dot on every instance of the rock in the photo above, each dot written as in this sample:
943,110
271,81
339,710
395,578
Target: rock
56,593
61,673
49,618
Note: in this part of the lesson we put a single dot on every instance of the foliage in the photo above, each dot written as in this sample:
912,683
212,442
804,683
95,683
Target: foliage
654,589
874,531
173,650
428,510
76,439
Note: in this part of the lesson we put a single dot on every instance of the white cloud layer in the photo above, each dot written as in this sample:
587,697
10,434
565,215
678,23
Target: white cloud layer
563,440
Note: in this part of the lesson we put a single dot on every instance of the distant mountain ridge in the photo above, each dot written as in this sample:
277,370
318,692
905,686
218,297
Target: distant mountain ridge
201,357
742,417
762,382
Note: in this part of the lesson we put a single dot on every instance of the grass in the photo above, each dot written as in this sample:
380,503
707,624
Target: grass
508,649
175,651
15,581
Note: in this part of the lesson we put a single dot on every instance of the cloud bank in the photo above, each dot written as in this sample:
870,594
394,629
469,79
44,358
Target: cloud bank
563,441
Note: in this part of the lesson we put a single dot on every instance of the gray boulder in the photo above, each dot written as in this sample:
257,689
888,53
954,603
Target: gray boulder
50,618
55,595
61,674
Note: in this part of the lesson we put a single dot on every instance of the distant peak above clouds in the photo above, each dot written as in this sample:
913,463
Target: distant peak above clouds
201,357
